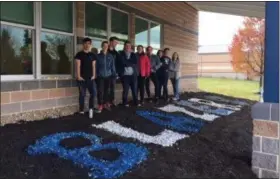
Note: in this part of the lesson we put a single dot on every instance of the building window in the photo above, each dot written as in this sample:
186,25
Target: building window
17,12
96,20
56,53
141,32
119,25
147,33
16,50
155,36
96,43
16,38
57,46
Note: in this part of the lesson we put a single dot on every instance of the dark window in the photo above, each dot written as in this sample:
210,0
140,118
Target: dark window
16,55
119,25
17,12
96,20
57,16
141,32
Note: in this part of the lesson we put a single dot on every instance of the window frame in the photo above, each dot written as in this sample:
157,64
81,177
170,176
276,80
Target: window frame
149,30
18,77
36,46
107,19
110,21
148,34
73,35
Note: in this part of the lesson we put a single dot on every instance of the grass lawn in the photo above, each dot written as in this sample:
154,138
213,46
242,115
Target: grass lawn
230,87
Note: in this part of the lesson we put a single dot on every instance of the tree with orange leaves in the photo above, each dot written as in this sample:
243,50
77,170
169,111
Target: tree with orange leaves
247,48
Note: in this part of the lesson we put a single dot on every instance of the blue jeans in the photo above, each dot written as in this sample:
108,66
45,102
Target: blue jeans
91,87
130,82
175,85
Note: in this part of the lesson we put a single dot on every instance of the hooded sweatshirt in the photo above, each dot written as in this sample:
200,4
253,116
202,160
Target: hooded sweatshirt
174,67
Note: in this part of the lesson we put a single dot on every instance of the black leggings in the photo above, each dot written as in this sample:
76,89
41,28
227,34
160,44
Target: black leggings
154,79
163,83
141,87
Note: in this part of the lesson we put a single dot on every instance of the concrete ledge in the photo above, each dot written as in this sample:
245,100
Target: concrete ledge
39,114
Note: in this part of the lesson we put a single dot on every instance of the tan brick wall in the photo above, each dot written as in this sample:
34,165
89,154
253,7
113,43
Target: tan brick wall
23,101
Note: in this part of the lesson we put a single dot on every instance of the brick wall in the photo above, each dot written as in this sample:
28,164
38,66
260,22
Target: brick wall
265,155
22,97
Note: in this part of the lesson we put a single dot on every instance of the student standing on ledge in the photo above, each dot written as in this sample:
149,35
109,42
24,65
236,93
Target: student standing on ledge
85,71
112,50
105,71
155,65
129,74
163,73
144,70
174,68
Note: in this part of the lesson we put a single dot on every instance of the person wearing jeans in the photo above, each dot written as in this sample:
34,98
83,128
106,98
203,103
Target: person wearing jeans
105,71
129,74
113,42
144,69
163,74
174,68
85,71
154,65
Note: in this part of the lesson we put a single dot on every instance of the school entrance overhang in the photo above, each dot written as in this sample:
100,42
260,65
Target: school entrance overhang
251,9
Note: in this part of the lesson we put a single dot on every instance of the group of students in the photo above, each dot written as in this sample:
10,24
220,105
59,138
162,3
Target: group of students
135,70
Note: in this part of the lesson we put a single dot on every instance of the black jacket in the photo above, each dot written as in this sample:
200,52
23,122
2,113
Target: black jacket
117,61
131,62
164,68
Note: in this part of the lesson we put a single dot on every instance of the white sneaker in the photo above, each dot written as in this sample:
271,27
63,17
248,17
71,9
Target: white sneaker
175,99
90,115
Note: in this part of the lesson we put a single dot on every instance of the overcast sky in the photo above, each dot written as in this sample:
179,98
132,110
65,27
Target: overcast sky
217,29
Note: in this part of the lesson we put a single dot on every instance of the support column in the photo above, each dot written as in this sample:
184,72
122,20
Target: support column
266,124
271,60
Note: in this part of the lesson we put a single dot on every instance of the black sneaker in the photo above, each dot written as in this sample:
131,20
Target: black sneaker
156,101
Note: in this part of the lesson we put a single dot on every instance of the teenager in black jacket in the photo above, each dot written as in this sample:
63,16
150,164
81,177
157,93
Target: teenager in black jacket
113,42
163,73
129,73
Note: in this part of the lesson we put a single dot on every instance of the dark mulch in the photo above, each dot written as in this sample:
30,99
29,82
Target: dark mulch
222,149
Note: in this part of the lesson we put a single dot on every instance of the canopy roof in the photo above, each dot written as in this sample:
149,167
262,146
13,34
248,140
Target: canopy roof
250,9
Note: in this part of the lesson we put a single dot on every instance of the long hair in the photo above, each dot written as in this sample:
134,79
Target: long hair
141,46
173,56
158,52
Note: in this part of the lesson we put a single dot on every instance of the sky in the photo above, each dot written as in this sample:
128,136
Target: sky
217,29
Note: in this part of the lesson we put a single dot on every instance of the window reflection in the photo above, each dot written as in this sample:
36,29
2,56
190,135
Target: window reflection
16,50
119,25
119,47
97,44
96,20
56,53
141,32
155,35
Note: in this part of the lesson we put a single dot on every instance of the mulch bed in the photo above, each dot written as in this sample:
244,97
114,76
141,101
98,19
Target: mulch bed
222,149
